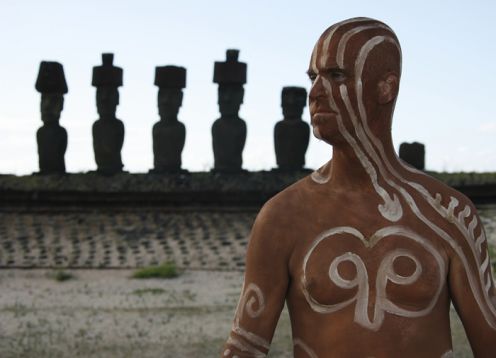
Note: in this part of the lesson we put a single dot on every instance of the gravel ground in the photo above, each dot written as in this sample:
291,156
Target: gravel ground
105,313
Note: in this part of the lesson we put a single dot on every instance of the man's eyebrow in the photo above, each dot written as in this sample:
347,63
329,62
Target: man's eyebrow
333,68
327,69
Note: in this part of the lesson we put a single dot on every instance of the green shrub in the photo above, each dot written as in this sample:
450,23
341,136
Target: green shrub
165,270
61,276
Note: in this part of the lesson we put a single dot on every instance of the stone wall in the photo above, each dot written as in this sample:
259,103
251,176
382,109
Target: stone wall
197,220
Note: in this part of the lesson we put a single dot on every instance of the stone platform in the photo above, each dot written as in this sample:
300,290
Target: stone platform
197,220
117,238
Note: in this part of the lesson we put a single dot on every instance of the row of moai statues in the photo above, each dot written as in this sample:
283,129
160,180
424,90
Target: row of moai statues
291,135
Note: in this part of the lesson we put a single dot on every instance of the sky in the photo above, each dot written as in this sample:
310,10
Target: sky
446,98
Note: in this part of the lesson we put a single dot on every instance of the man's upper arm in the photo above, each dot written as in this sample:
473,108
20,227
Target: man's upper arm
264,289
472,289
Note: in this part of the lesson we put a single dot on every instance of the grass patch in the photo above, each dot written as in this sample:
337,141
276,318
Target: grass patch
144,291
62,276
165,270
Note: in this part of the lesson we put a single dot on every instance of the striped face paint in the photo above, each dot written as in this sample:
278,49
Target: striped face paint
323,44
328,55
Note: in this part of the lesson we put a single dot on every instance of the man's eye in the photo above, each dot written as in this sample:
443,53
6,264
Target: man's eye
312,77
338,75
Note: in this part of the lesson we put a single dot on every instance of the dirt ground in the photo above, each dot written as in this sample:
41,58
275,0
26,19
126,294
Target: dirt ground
105,313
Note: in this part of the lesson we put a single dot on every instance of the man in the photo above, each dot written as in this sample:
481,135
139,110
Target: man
367,252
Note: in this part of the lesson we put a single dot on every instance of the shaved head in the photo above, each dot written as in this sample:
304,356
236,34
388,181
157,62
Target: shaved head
356,65
340,44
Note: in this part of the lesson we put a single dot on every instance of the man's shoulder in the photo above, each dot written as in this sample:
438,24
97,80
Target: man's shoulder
290,198
443,194
283,209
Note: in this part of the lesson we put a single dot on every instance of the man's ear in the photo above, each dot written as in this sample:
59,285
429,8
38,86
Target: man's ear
387,88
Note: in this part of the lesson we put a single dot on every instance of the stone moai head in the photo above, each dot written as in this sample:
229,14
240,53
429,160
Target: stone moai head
107,78
170,80
52,86
231,76
293,101
413,154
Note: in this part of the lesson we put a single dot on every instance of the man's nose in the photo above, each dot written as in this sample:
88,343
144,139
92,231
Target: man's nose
317,90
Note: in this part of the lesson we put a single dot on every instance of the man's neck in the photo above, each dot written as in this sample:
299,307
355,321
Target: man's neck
352,170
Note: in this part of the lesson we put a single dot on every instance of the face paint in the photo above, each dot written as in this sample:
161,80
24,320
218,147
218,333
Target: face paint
327,41
391,209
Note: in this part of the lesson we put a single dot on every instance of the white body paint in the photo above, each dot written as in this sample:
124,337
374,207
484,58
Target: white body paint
253,302
488,310
448,354
245,348
299,343
385,274
318,177
249,304
391,209
366,145
327,41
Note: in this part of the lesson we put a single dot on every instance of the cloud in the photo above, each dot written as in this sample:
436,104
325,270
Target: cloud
487,127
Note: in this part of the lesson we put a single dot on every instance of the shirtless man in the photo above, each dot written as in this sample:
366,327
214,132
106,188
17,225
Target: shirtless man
367,252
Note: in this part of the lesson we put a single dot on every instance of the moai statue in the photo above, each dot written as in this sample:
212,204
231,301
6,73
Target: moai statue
291,135
51,137
229,131
169,134
108,131
413,154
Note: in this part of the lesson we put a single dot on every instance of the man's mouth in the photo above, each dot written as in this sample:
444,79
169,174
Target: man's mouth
320,117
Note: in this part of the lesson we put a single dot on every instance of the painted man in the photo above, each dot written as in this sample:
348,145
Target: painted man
367,252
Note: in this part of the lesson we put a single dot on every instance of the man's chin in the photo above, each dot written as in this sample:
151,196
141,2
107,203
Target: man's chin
316,132
327,136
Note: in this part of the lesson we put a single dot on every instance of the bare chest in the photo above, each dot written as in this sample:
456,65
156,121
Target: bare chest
391,270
